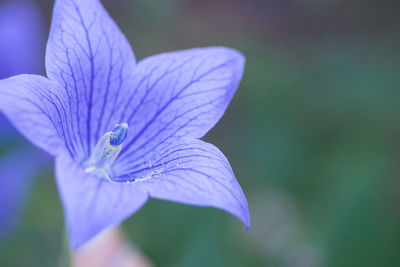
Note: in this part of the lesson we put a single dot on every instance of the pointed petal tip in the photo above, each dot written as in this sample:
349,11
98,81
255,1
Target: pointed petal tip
245,218
90,205
248,224
234,52
80,244
27,103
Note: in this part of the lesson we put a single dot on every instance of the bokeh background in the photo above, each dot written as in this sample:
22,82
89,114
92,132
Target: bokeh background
313,135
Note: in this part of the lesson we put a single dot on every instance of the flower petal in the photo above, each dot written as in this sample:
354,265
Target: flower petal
6,131
193,172
21,38
30,104
14,183
92,205
178,94
89,56
20,24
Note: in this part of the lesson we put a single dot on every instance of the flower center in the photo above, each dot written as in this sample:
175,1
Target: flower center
106,151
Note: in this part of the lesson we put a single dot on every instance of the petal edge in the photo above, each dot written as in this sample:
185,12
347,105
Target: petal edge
92,205
196,173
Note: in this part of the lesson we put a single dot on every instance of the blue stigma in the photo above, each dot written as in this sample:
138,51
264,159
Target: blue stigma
107,151
118,134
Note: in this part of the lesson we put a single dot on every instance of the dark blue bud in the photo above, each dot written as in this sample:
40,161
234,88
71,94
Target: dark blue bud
118,134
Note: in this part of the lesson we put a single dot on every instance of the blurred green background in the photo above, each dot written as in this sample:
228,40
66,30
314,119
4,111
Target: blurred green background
313,135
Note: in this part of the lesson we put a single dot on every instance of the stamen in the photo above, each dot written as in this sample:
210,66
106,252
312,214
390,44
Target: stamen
110,145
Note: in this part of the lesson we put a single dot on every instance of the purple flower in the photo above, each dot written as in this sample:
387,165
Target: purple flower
14,184
20,24
123,131
21,33
20,42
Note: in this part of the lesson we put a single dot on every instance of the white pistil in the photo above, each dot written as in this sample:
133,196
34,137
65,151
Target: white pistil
111,145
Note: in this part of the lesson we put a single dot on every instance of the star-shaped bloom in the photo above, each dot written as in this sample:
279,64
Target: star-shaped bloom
123,131
20,24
